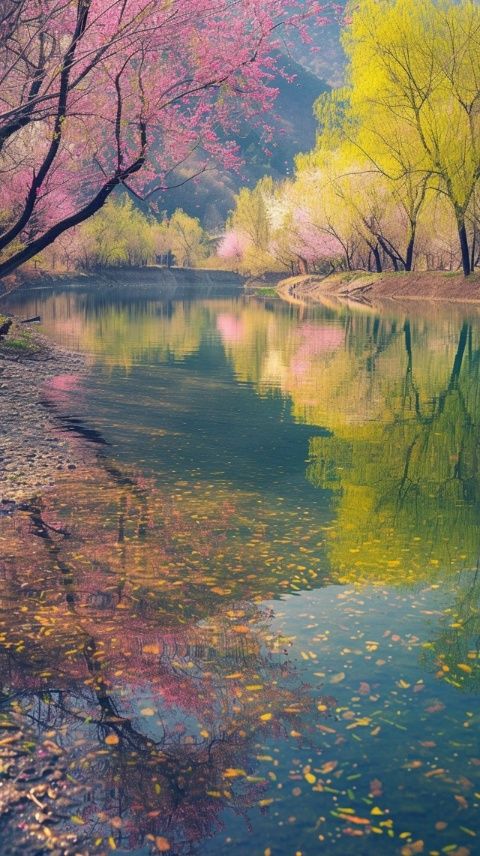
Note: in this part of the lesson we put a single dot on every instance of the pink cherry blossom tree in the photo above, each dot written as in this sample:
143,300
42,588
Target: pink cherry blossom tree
232,246
97,94
310,243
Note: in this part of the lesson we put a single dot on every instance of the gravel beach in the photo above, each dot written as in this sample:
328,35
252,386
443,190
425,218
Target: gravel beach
38,383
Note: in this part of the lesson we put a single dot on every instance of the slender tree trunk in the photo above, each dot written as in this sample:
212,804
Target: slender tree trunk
391,255
378,260
55,231
409,254
464,249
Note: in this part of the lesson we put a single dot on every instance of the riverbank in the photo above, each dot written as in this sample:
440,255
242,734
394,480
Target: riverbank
38,440
188,278
369,288
38,382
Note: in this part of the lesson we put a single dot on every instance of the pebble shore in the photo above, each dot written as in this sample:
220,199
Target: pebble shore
40,387
34,444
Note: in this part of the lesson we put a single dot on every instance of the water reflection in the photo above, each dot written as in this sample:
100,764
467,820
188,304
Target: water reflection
132,629
254,621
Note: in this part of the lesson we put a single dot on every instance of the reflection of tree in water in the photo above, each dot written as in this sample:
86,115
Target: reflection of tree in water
406,487
130,633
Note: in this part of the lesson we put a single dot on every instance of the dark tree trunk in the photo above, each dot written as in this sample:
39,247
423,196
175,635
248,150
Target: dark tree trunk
462,234
55,231
378,260
409,254
5,327
391,255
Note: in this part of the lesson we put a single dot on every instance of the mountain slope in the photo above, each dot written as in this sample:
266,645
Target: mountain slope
210,197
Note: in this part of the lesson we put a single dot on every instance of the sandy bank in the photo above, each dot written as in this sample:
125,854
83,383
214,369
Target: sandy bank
372,288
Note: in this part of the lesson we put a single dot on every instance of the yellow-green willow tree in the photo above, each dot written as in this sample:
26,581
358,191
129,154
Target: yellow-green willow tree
415,74
393,179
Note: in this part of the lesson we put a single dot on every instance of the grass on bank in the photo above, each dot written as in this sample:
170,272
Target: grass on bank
18,339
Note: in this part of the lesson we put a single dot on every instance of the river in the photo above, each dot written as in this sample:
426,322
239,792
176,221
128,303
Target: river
252,626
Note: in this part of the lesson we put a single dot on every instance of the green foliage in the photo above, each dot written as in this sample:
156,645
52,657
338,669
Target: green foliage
250,215
186,239
334,116
118,235
18,339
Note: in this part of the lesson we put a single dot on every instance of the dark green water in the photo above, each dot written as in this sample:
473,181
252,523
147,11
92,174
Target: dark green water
262,633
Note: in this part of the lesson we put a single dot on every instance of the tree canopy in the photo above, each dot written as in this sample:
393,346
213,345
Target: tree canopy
98,94
393,181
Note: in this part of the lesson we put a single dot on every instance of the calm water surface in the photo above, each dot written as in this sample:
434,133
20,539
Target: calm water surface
260,632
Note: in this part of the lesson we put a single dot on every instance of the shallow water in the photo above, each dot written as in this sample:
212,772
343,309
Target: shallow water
253,625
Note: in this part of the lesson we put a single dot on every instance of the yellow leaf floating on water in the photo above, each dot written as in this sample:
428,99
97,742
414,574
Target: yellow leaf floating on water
310,778
363,721
112,739
147,711
266,716
359,821
465,667
233,772
338,678
328,767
